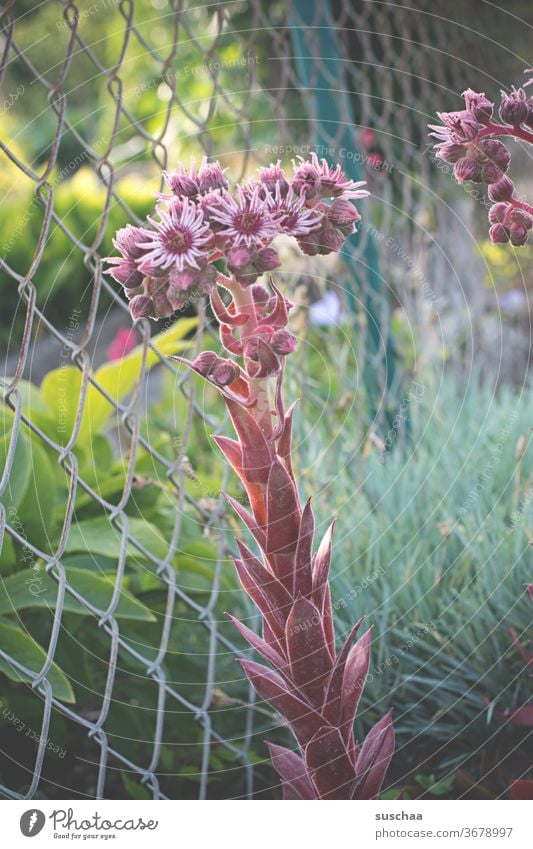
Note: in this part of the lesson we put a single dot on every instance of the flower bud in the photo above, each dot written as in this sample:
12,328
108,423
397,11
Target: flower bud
498,234
518,235
496,152
161,305
450,152
180,184
503,189
491,173
225,372
274,179
513,108
497,213
309,243
126,273
283,342
260,295
331,240
480,106
183,280
306,181
206,362
126,240
520,216
266,259
342,213
466,169
211,176
240,257
140,307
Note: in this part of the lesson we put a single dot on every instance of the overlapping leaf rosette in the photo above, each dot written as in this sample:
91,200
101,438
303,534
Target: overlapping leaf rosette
312,685
470,139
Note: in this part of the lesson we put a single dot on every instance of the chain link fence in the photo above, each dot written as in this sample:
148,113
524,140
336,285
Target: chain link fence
121,90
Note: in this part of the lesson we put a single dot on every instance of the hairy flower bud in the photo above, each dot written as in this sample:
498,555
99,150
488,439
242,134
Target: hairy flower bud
518,234
239,258
450,152
495,152
497,213
502,189
141,306
331,240
206,362
466,169
342,213
499,235
126,272
181,184
274,179
480,106
283,342
211,177
260,295
225,372
266,259
126,240
490,173
513,108
520,216
463,125
306,181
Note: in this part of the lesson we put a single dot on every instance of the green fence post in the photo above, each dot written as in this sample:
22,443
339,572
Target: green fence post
319,68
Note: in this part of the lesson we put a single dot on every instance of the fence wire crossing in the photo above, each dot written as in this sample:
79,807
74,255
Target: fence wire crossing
241,75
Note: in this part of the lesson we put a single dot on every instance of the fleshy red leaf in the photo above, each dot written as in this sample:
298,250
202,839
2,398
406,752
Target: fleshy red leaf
332,702
231,451
249,521
284,442
353,682
292,772
256,454
321,564
303,580
260,645
303,720
374,758
223,315
329,765
307,649
283,514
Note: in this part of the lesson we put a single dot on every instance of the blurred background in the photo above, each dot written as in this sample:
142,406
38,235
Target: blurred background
117,671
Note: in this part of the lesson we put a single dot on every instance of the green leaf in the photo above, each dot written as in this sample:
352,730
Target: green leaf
99,536
37,507
23,648
29,589
60,389
135,789
19,476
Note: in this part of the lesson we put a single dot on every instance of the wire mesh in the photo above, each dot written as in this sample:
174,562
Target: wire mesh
265,111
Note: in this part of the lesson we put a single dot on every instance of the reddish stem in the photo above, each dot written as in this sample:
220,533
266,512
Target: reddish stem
521,204
501,130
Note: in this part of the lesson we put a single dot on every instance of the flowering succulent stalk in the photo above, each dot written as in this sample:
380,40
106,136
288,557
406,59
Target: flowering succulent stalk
312,685
468,140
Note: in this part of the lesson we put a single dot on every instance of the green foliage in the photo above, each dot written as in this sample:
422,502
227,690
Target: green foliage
35,502
432,545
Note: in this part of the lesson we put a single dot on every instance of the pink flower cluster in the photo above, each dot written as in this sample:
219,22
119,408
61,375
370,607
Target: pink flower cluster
200,222
467,139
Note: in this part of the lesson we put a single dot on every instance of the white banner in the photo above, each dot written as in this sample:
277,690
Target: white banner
267,825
